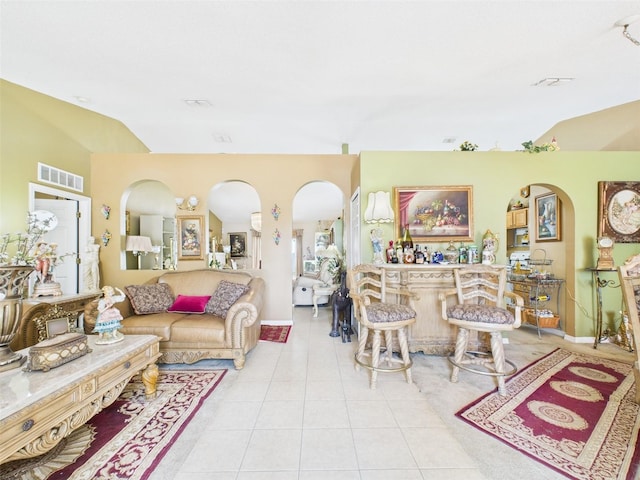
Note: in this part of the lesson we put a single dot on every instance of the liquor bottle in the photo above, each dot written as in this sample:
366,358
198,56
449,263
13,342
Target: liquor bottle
407,241
462,257
390,252
419,255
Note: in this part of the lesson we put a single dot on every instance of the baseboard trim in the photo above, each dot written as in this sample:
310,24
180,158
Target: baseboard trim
276,322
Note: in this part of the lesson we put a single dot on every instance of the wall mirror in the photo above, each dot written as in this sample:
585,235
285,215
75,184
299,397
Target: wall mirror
235,226
149,225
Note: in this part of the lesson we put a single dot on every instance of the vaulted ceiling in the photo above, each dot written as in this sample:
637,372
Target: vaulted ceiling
310,76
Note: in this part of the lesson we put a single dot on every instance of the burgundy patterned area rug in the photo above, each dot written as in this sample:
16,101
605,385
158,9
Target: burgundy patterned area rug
128,439
570,411
275,333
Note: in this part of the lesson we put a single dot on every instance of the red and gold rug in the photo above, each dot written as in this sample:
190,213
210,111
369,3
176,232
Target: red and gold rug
572,412
275,333
127,439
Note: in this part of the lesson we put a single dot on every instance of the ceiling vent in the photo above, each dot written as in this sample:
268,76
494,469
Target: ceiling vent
55,176
198,103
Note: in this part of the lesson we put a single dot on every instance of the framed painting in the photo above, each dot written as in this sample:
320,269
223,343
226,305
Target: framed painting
190,238
549,226
238,242
619,211
435,213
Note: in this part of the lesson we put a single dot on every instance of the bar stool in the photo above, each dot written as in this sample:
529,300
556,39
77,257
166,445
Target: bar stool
480,307
368,291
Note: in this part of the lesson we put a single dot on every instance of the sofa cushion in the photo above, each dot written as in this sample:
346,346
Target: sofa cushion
203,331
225,295
189,304
159,324
153,298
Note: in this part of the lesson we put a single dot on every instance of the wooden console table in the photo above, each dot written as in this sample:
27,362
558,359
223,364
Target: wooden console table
38,409
37,308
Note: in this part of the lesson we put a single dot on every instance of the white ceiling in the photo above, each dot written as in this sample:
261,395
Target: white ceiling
308,76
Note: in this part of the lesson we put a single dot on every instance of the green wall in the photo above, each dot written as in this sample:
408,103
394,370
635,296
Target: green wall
496,177
38,128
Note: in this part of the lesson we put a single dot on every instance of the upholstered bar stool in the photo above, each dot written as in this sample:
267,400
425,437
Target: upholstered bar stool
368,291
480,306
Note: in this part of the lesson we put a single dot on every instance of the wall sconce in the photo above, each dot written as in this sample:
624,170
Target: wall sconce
138,246
189,204
378,211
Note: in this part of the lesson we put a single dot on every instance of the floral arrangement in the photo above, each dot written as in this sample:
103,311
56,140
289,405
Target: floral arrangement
467,146
545,147
25,242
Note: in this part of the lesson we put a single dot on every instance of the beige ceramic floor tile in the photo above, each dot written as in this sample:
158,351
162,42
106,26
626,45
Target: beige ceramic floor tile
328,449
382,448
325,414
273,450
219,451
280,414
370,414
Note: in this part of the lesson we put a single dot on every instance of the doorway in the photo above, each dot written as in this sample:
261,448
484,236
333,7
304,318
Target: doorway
73,231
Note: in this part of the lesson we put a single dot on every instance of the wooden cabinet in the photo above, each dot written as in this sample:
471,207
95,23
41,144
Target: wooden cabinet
518,218
162,232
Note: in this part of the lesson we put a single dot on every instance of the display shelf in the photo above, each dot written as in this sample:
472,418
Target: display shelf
539,295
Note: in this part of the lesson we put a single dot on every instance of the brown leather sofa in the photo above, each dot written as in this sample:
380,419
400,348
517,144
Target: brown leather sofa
190,337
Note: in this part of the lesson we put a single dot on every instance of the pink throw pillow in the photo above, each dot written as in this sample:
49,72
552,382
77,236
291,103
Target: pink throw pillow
189,304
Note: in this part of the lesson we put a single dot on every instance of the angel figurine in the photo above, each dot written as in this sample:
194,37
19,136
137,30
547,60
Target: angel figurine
109,316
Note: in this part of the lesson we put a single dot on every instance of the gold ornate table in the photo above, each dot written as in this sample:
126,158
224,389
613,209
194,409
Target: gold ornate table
38,409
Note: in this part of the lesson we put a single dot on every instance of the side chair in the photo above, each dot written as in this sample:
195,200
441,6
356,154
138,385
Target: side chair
629,274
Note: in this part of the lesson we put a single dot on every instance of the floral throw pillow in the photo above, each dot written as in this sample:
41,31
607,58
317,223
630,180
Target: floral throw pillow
153,298
225,295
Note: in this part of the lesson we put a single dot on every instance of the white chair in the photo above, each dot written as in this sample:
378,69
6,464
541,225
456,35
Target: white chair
368,292
479,306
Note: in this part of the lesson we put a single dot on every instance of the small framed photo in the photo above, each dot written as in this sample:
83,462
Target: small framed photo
57,326
435,213
548,221
309,266
238,243
190,238
619,211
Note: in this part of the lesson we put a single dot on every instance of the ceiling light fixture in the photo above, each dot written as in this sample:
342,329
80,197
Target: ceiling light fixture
198,103
553,81
624,23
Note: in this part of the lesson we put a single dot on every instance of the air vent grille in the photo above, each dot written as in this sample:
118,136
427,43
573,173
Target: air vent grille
61,178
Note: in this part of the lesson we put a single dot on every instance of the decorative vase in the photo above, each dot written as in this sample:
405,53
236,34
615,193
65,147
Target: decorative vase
12,280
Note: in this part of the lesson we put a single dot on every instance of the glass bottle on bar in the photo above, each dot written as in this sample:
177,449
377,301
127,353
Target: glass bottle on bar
407,241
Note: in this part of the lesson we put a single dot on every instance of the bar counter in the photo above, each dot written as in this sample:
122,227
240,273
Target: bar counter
430,334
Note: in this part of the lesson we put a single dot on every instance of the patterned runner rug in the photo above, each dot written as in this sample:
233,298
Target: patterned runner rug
128,439
570,411
275,333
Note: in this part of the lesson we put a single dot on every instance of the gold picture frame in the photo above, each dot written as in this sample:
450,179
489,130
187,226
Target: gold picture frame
190,237
548,218
619,211
435,213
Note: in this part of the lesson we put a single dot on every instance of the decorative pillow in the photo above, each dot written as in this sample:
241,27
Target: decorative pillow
189,304
153,298
225,295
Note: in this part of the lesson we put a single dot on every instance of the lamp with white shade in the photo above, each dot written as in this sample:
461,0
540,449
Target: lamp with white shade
138,245
189,204
378,211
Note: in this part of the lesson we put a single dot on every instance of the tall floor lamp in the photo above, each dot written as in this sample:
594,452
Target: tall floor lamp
138,245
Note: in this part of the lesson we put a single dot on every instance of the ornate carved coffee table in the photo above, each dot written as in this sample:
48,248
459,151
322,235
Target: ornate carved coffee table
38,409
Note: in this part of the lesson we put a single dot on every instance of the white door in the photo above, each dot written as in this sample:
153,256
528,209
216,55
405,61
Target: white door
66,236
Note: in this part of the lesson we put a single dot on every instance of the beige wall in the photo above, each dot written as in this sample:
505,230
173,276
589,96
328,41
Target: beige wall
276,178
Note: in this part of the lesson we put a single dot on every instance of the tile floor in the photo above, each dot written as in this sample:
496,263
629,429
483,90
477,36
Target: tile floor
300,411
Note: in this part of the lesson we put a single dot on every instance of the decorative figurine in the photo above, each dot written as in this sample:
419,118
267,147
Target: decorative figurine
91,268
106,211
106,236
109,317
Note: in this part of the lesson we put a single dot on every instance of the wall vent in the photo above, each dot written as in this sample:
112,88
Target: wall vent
55,176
